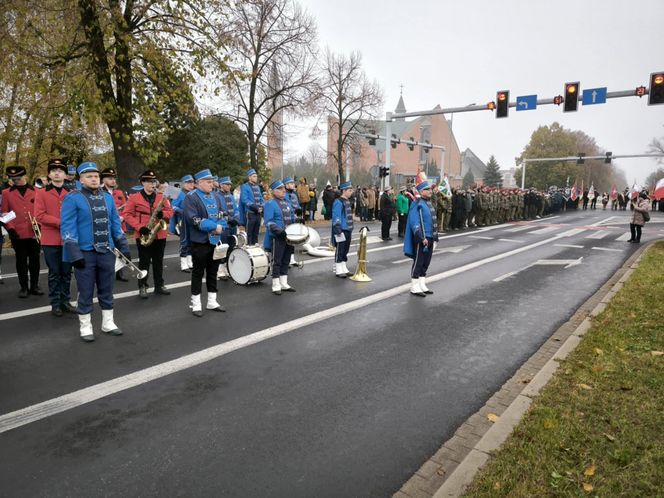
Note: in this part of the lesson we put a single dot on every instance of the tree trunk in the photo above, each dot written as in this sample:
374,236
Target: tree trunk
129,164
19,139
340,149
33,160
9,129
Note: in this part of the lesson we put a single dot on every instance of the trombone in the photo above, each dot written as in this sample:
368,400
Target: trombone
35,227
123,261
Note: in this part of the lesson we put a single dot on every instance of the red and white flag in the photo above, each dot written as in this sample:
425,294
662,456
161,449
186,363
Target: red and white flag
572,193
659,190
614,192
634,192
591,192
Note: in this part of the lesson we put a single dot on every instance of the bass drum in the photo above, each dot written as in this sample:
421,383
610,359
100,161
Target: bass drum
248,265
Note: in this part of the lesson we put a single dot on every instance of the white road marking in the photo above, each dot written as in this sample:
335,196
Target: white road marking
573,231
607,249
519,229
569,245
455,250
544,230
599,234
511,240
567,263
480,237
66,402
624,237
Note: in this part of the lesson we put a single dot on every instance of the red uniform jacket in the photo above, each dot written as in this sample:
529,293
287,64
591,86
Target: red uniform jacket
12,200
120,200
137,212
47,212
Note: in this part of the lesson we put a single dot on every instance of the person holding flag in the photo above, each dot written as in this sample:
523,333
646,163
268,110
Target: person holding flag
421,234
614,198
640,206
592,196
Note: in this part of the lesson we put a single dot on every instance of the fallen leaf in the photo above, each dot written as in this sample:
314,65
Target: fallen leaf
525,380
598,351
493,417
497,486
584,386
609,437
587,487
590,471
555,475
657,353
548,424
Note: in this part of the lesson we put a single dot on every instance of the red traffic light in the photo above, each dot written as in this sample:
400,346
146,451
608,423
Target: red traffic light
640,91
658,79
491,105
502,96
558,99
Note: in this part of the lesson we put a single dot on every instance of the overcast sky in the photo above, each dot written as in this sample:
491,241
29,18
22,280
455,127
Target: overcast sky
454,53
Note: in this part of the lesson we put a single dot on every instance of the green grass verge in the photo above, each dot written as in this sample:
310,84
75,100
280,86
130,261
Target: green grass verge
597,429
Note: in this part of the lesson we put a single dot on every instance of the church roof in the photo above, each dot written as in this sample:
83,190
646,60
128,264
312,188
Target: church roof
469,161
401,107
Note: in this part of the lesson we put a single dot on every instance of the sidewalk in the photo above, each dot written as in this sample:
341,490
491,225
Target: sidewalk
513,472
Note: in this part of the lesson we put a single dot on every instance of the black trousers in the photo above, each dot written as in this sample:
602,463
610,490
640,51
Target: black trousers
422,259
401,227
253,226
341,254
386,224
204,264
154,253
27,259
636,231
281,253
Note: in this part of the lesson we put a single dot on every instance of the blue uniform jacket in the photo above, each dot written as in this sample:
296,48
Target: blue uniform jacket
177,205
201,222
274,221
247,199
413,235
76,226
339,219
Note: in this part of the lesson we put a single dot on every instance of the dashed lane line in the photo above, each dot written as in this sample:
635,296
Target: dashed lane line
66,402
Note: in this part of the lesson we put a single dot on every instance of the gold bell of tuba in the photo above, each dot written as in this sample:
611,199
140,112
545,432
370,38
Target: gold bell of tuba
360,274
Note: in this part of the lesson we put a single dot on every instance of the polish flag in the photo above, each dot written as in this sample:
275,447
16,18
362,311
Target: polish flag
572,194
659,189
591,192
614,192
634,192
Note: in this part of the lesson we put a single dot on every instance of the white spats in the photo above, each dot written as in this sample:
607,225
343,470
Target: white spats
85,324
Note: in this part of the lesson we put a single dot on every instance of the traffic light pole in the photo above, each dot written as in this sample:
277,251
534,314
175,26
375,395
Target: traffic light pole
388,151
576,158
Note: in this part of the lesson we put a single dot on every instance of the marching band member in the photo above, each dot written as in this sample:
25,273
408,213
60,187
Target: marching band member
186,186
110,185
291,195
139,210
48,203
70,180
232,214
251,206
90,230
279,213
205,224
20,198
342,229
421,233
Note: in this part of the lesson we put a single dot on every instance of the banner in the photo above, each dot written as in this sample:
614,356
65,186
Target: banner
444,187
573,193
614,192
659,189
591,192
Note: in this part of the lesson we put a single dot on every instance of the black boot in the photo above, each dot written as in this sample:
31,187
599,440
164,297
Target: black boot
143,292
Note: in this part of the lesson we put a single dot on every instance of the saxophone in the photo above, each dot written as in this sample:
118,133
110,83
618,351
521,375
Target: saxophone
154,225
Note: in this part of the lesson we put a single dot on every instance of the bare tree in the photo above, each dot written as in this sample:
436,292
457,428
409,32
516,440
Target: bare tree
273,62
349,99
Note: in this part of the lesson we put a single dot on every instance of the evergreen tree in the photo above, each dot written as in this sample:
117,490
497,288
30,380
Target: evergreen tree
468,180
492,176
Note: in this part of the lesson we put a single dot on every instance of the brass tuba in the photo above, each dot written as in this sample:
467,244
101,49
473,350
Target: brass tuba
360,274
155,224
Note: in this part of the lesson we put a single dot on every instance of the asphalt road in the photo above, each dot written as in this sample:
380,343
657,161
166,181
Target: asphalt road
340,389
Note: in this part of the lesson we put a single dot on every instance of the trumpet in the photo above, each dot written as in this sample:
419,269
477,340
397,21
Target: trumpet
35,227
122,261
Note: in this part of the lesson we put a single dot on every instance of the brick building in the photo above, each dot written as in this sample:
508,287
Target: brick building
405,163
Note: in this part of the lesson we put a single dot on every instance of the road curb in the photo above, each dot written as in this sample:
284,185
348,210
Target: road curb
454,466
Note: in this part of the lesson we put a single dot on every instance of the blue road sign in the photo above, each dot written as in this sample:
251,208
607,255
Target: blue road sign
594,96
526,103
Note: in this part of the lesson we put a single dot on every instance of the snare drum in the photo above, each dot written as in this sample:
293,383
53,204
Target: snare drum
297,234
248,265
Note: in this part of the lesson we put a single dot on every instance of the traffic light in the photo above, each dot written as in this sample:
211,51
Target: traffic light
411,146
640,91
372,140
394,141
581,159
491,105
608,157
383,171
502,103
558,99
426,146
656,92
571,97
